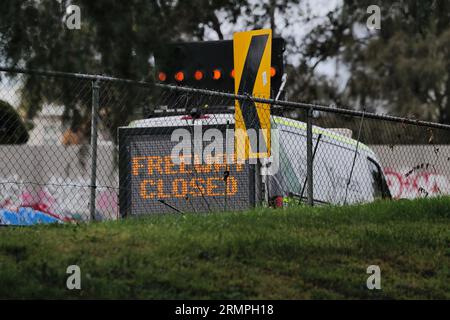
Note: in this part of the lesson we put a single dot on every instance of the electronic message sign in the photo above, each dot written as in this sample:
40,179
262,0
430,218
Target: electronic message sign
150,182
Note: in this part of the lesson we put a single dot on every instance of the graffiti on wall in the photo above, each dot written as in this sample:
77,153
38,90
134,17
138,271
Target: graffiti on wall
416,183
55,180
61,198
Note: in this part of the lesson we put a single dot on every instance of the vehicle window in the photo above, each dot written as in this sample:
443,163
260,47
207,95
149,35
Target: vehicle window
378,184
291,174
291,162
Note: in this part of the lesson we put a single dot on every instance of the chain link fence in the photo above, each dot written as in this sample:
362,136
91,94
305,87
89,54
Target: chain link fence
79,148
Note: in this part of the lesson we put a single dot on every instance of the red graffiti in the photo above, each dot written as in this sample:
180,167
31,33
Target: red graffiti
107,202
40,201
417,184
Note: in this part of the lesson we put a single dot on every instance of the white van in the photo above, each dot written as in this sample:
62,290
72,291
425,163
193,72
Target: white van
338,176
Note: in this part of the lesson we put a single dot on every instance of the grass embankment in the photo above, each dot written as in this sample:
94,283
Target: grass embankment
280,254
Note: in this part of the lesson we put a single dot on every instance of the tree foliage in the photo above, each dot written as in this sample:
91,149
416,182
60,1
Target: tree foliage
12,127
403,68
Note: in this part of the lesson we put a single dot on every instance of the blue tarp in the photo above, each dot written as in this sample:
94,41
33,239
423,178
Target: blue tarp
25,217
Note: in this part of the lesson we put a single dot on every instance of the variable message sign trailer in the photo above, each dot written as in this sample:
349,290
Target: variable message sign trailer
151,183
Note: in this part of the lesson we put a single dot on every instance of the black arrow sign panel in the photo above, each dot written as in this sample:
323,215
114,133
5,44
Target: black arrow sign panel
248,79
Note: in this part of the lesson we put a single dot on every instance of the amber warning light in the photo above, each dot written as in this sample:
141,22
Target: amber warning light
217,74
273,72
198,75
179,76
162,76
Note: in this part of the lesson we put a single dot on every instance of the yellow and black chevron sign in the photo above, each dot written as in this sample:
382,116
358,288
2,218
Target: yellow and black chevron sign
252,62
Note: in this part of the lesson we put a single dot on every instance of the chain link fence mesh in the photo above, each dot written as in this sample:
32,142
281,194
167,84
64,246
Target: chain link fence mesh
47,151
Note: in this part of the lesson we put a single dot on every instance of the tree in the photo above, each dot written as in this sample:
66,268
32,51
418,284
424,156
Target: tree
402,68
12,128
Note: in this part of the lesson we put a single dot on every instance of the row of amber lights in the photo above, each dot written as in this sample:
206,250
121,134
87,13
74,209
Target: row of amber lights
199,75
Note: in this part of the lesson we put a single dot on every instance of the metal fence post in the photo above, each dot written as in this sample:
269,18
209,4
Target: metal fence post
94,117
309,156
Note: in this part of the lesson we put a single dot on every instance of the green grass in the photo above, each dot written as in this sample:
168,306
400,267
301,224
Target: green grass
300,253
